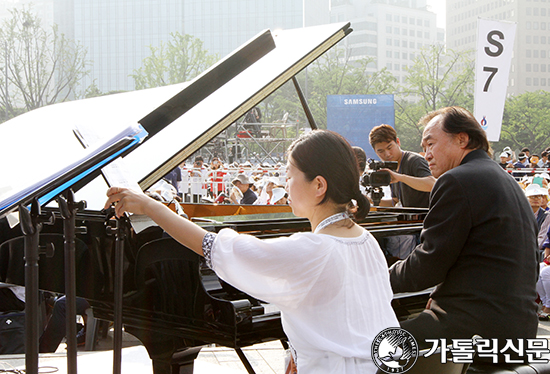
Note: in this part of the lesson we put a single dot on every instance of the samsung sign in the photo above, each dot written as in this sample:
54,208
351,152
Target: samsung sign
354,116
360,101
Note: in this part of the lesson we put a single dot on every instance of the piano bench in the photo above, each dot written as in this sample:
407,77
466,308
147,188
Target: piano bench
509,369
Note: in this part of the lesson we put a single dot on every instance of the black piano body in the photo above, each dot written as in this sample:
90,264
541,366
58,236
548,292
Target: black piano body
171,301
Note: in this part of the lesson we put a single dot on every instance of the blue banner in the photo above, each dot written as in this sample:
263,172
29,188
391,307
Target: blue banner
354,116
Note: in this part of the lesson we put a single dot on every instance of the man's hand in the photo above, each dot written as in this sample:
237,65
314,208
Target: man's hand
424,184
395,177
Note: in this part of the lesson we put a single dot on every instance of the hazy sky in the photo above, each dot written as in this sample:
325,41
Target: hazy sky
438,7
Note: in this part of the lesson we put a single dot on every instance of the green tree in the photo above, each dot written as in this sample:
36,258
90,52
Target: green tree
334,73
179,60
283,100
526,122
41,66
437,78
92,91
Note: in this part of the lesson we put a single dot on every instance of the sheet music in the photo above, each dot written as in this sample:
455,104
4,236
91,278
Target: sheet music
88,137
115,174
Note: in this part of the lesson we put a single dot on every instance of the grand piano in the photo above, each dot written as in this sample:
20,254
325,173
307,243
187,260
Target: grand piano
170,300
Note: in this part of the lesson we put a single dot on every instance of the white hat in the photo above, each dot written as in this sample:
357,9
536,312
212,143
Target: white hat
242,178
504,154
544,175
535,190
278,194
273,180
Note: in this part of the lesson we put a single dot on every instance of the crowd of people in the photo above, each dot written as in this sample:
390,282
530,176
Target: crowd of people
524,159
535,185
220,182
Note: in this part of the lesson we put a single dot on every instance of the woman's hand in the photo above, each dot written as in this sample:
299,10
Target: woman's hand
127,200
181,229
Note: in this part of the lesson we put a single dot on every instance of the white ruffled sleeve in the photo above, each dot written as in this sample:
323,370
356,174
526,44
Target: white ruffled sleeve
280,271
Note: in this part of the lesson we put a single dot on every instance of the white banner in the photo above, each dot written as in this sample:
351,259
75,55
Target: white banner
495,43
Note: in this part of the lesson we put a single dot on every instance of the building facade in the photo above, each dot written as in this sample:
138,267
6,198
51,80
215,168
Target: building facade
393,32
530,70
118,34
224,25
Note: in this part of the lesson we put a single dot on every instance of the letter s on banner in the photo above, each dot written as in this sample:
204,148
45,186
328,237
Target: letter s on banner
493,59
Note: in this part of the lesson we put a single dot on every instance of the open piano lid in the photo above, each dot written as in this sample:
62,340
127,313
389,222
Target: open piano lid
38,141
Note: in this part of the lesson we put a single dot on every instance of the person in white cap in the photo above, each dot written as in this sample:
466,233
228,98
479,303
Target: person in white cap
278,197
503,160
266,194
535,194
520,163
242,182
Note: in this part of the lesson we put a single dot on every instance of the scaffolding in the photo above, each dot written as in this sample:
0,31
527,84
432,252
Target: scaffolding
258,142
254,142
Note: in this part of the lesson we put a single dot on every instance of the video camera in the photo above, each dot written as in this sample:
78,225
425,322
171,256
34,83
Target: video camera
376,178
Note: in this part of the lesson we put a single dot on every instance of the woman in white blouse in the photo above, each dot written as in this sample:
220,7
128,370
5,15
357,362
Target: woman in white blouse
331,285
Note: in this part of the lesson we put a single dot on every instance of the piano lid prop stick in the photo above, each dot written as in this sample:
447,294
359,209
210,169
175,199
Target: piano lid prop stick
303,101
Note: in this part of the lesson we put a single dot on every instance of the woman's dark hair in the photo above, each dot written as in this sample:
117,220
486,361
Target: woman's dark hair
328,154
456,120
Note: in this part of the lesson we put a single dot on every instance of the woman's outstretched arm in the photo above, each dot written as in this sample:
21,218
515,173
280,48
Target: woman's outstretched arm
181,229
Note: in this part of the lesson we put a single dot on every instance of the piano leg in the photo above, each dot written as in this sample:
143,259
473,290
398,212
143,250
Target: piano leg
245,361
165,351
183,360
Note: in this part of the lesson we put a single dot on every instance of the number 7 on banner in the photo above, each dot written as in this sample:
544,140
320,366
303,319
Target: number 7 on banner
493,59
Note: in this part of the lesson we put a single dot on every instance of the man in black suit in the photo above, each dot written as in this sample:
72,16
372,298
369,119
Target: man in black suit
479,241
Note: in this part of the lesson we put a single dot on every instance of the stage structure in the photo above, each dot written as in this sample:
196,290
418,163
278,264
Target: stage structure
254,142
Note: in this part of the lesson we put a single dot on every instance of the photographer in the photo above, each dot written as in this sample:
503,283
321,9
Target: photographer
413,181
